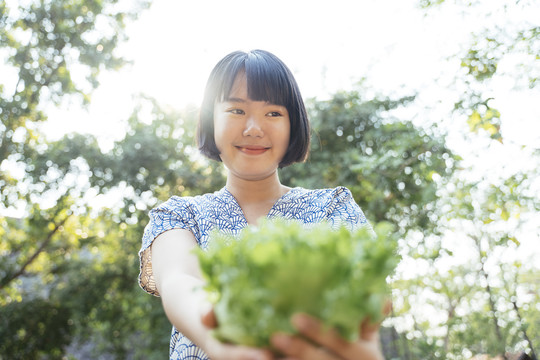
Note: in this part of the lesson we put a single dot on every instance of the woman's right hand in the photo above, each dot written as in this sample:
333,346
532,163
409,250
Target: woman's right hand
217,350
319,343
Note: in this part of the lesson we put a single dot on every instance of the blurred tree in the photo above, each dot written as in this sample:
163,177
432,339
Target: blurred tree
497,51
491,219
52,51
489,214
392,167
94,274
451,314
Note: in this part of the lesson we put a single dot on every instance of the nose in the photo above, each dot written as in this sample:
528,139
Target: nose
253,127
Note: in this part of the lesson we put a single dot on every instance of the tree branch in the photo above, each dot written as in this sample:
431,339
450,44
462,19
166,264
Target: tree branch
5,281
492,306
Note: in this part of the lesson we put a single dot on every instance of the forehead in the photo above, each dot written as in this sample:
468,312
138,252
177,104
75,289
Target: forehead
239,88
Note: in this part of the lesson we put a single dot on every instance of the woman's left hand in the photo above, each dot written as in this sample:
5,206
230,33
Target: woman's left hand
326,344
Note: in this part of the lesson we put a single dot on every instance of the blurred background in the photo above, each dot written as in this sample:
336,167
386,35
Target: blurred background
426,109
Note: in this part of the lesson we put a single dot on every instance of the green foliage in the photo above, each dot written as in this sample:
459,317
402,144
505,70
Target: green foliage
481,309
88,273
89,255
28,327
51,259
488,216
45,41
481,62
481,57
271,271
489,121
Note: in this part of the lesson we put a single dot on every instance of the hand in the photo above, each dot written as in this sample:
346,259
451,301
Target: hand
326,344
217,350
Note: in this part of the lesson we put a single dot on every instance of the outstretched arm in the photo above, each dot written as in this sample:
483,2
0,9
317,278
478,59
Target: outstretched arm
180,284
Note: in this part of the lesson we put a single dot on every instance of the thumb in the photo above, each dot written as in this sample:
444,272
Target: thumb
369,330
208,318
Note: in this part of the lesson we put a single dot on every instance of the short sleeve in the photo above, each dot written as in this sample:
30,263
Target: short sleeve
343,210
176,213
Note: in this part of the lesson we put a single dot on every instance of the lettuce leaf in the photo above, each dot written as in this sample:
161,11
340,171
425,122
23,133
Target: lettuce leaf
258,279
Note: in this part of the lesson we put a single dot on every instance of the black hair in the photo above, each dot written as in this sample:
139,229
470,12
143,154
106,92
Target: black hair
268,79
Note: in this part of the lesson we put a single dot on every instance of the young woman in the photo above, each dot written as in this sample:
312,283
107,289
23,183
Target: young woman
253,119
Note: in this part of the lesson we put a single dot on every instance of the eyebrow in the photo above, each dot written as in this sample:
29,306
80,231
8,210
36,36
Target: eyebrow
238,100
243,101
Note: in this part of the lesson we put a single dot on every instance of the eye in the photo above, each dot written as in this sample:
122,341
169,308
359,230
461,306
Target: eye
274,114
236,111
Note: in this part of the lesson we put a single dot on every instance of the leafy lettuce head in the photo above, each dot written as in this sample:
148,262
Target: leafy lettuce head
260,278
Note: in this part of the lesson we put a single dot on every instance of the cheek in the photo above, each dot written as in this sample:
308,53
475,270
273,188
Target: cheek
286,134
219,129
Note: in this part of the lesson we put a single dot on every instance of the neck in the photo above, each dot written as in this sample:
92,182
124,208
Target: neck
245,191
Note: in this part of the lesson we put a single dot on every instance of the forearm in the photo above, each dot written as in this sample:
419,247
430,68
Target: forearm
179,282
184,301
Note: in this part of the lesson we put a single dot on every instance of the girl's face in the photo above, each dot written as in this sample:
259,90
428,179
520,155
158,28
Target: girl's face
251,136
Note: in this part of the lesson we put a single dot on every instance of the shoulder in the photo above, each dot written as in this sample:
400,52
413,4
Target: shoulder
317,203
194,213
181,204
337,204
337,194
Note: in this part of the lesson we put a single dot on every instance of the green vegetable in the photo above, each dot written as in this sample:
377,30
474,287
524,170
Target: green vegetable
258,279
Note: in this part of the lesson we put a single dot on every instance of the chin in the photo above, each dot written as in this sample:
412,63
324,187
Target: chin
255,176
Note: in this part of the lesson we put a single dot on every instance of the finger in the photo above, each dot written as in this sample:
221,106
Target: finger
387,308
295,348
218,350
313,329
244,353
369,330
208,318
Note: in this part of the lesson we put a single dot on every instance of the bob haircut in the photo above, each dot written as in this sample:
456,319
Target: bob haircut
268,79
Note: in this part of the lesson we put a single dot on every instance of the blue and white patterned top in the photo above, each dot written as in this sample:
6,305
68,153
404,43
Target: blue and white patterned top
202,214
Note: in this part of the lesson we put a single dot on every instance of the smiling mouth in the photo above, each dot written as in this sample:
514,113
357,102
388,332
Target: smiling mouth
252,150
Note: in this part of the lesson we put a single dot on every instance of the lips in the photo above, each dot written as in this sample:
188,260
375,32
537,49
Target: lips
252,149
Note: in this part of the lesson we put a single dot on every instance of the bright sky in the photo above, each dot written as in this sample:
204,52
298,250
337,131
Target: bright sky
328,46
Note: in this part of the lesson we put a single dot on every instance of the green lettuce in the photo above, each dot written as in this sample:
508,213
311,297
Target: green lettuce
259,278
